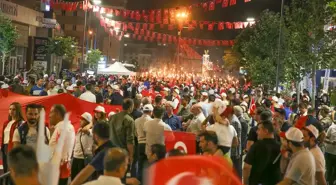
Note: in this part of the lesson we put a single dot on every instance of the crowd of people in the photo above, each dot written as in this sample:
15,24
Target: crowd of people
267,138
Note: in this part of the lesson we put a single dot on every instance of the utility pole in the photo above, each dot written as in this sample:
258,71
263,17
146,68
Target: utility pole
279,48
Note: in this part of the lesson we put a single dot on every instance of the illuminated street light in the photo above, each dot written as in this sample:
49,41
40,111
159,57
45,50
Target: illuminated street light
250,19
97,2
90,32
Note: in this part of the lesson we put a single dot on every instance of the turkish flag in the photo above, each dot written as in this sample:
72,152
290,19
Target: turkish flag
192,170
225,3
180,140
212,5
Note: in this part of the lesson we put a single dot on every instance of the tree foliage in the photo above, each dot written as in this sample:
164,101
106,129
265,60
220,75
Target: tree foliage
8,37
63,46
258,47
309,44
93,57
305,43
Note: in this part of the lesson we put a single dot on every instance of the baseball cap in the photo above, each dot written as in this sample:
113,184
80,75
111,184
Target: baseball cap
204,94
211,91
223,94
111,114
177,91
312,129
245,96
86,116
148,107
294,134
99,109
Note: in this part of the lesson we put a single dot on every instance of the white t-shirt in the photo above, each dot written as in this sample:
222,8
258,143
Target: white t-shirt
154,130
69,140
88,96
31,138
224,133
7,132
319,159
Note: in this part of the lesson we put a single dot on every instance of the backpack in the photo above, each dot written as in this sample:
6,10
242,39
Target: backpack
23,131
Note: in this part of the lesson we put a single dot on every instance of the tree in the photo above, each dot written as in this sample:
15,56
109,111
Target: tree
231,60
309,46
332,9
63,47
93,57
258,47
8,36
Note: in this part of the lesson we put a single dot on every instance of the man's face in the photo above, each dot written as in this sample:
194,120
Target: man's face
53,117
169,109
123,168
97,89
40,82
83,122
66,84
51,84
33,115
203,144
152,157
306,138
302,110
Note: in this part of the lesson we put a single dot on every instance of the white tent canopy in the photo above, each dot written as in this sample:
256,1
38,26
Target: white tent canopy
116,69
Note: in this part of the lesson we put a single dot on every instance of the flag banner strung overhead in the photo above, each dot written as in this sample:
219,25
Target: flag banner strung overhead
209,5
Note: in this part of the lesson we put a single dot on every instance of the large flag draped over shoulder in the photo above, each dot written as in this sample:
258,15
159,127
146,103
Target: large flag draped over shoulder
192,170
72,104
49,158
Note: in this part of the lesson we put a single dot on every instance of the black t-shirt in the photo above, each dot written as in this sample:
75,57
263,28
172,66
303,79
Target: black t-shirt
285,126
253,136
261,156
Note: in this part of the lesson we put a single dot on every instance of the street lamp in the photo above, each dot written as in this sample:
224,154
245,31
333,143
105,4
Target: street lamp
90,32
97,2
250,19
180,18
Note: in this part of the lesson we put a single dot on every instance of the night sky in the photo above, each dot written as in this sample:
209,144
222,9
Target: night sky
239,12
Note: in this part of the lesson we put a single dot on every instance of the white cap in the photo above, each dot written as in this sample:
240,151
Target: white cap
245,96
192,89
87,116
313,130
274,98
111,114
148,107
204,94
166,89
211,91
100,109
221,105
115,87
232,90
294,134
177,91
244,104
223,94
204,86
45,76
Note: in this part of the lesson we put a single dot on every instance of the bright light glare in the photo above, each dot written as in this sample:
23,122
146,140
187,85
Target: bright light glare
89,51
127,35
109,15
250,19
125,44
97,2
182,15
